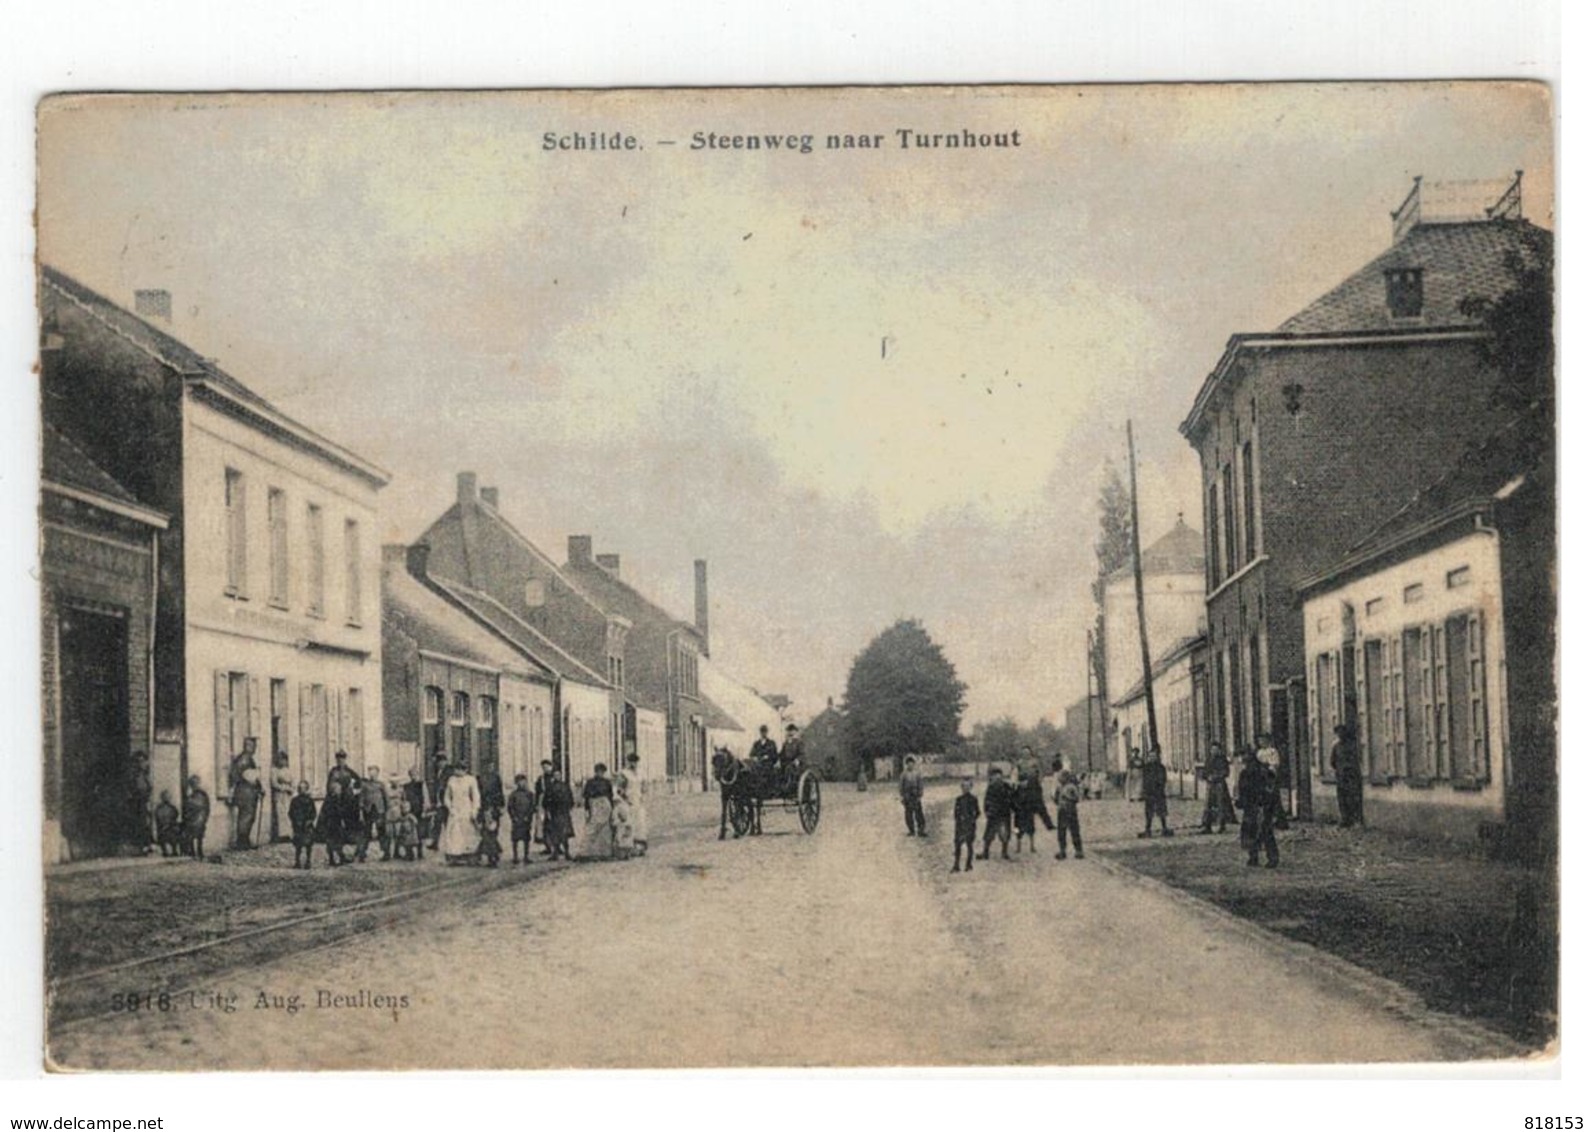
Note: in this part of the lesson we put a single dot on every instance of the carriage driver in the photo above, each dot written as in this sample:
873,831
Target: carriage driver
764,752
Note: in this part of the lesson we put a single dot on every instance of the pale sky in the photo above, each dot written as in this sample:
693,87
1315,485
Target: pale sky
864,384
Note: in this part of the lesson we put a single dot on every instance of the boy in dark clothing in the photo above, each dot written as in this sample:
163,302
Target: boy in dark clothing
540,793
490,849
196,815
912,791
301,817
1067,812
415,805
168,826
522,808
965,822
1258,799
373,814
1153,779
998,814
332,823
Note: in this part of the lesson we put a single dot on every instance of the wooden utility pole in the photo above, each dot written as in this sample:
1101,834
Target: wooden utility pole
1139,591
1089,702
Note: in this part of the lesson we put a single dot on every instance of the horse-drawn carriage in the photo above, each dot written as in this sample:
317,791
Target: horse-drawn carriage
746,786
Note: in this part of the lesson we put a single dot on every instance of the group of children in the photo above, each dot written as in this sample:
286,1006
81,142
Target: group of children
181,833
1010,807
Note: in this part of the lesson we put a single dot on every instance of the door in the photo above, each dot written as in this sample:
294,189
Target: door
97,812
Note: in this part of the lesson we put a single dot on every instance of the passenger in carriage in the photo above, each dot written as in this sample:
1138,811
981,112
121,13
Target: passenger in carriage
765,752
790,759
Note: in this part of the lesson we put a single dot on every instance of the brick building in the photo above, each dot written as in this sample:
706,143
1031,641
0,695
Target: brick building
1312,434
267,619
97,573
452,687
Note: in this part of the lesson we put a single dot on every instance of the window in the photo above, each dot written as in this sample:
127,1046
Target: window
1252,543
459,726
1230,550
1213,543
431,720
1467,707
486,712
1413,593
352,592
1404,292
1328,708
1374,606
458,708
237,536
1257,681
277,519
1458,577
315,537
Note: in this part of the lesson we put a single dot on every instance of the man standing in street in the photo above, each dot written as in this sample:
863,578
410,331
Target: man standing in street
1258,798
1219,803
1153,779
1271,758
415,803
912,790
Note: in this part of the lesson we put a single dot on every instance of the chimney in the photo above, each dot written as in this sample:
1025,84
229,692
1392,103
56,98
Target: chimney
489,496
153,306
579,550
702,602
609,562
415,559
467,487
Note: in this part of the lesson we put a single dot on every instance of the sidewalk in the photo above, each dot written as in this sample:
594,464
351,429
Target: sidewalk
102,913
1439,918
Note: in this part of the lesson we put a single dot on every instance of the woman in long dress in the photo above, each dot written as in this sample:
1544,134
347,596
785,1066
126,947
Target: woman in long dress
630,785
597,796
461,837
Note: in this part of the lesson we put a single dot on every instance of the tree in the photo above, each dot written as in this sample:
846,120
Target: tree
1113,548
1520,325
999,740
902,695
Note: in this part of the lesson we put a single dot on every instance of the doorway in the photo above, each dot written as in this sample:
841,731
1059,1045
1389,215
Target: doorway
97,812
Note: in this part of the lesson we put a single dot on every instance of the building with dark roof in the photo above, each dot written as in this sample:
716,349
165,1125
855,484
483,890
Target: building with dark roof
453,691
663,656
1312,434
99,551
266,625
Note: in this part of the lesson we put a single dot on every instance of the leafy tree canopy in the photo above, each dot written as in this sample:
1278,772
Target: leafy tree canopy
903,695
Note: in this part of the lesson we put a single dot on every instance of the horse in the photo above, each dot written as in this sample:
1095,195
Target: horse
735,786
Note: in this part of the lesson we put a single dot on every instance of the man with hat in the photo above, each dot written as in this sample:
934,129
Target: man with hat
912,789
765,753
790,758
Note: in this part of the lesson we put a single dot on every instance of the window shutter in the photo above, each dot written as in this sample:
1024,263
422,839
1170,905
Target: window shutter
1429,743
1444,763
1475,655
255,705
223,728
1401,759
307,764
240,519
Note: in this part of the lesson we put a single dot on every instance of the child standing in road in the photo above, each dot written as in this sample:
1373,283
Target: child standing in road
965,820
196,815
168,826
522,806
998,814
301,819
1067,812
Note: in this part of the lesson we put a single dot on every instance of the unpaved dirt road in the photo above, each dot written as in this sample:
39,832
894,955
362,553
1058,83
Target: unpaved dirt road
852,946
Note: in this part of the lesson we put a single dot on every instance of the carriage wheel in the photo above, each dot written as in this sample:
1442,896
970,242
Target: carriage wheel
808,801
741,815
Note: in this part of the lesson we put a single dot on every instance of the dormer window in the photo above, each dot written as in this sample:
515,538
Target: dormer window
1404,292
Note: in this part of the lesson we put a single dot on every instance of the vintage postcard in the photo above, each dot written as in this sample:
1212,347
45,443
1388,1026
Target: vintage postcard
887,576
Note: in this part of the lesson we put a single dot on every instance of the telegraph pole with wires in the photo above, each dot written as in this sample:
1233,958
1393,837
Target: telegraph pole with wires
1139,591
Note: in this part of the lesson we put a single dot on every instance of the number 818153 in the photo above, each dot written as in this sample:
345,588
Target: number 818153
1553,1124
